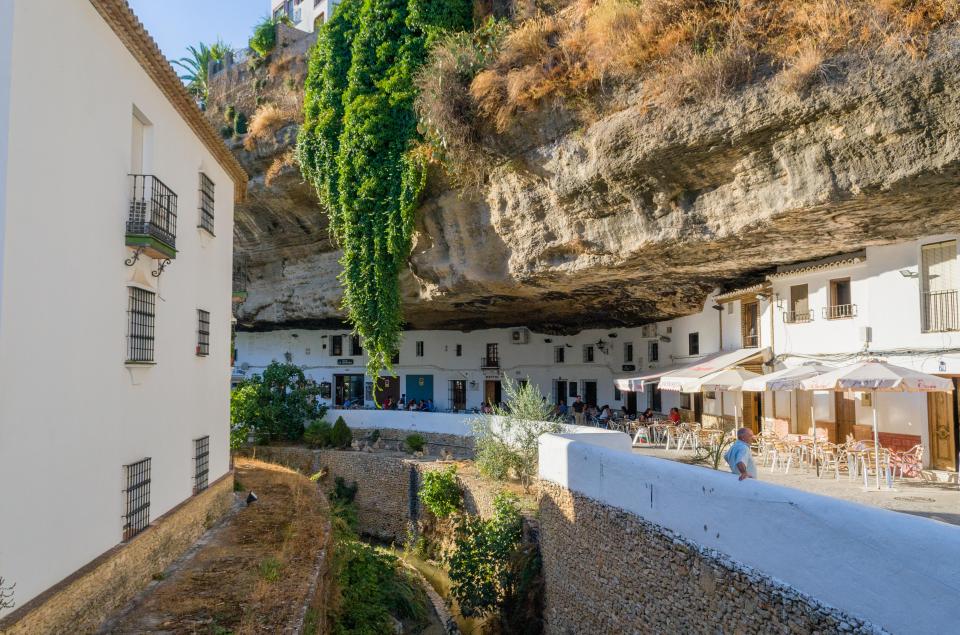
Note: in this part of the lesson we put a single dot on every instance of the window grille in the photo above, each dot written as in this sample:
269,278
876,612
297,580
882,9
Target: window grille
419,349
693,344
356,348
588,354
206,203
203,332
336,345
201,460
141,316
137,515
653,351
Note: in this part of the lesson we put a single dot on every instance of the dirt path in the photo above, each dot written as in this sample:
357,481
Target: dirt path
253,573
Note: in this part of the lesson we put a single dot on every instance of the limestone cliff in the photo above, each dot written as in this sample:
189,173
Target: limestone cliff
635,216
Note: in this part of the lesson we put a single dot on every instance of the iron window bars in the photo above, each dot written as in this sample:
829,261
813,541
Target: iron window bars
201,458
206,203
140,322
153,210
137,515
203,332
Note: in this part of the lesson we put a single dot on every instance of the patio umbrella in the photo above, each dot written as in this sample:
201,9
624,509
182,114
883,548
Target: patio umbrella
789,379
731,379
876,376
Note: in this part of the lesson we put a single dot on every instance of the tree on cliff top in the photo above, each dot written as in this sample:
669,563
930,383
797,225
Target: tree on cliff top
356,147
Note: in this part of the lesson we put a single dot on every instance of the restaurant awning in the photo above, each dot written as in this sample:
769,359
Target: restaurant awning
686,379
638,383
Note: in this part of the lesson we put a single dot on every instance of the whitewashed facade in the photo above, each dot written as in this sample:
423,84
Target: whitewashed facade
91,382
306,15
881,294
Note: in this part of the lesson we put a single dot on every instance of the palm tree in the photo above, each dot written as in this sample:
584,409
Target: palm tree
195,66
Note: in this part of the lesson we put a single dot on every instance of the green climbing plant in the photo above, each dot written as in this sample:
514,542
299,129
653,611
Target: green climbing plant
357,147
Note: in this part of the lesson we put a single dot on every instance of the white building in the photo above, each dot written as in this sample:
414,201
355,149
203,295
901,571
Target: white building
115,303
896,301
306,15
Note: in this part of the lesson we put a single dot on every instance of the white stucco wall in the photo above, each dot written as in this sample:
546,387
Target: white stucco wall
71,412
897,570
6,67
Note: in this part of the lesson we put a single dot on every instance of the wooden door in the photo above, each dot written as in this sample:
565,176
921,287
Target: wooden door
804,416
492,392
845,414
751,411
387,387
940,415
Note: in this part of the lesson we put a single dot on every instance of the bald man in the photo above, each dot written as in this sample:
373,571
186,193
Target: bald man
739,458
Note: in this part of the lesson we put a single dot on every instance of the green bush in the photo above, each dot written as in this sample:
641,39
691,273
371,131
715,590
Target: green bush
226,131
273,406
317,434
240,123
264,38
415,442
373,587
440,492
230,114
340,436
374,436
479,564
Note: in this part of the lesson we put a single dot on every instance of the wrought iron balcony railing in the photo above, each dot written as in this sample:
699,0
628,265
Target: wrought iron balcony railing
152,223
798,317
940,311
840,311
489,362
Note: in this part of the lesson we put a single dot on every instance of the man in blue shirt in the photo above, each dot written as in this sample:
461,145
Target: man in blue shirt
739,458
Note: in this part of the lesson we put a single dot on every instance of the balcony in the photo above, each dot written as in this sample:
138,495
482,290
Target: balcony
840,312
939,311
798,317
489,362
152,223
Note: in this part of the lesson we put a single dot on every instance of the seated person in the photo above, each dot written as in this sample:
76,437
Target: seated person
647,414
675,415
605,413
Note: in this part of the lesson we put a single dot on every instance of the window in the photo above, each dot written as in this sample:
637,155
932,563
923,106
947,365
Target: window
493,355
573,388
628,352
201,463
588,353
395,358
939,281
459,350
136,516
336,345
693,344
558,354
206,203
841,301
457,395
653,351
420,348
356,348
750,324
616,394
685,401
140,322
203,332
799,305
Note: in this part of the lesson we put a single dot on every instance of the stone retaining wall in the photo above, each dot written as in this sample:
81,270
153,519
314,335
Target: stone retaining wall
79,603
609,571
459,446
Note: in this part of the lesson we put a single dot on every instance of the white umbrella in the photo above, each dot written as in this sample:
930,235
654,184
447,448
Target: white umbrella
876,376
730,379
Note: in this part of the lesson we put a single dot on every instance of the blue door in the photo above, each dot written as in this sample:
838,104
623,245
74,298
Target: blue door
420,387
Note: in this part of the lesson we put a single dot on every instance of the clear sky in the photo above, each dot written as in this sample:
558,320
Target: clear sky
176,24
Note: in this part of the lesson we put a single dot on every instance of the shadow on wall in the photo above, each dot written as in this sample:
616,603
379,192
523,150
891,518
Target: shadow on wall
608,571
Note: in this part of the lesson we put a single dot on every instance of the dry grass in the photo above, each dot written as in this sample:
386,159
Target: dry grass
286,160
265,123
692,49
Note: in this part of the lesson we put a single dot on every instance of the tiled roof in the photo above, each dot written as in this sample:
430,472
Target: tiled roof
735,294
831,262
120,17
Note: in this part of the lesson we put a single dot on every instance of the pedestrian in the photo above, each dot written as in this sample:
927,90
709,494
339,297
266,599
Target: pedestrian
674,415
578,407
739,457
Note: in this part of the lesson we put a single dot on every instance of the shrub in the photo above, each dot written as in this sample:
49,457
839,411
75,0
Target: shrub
340,436
507,443
270,569
317,434
268,119
415,442
240,123
440,492
479,564
230,114
226,131
264,38
274,406
374,436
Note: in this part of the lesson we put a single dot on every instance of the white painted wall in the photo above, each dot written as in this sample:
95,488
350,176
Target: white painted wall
899,571
6,68
71,412
307,11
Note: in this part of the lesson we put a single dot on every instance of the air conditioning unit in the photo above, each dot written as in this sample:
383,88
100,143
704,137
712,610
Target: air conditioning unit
520,336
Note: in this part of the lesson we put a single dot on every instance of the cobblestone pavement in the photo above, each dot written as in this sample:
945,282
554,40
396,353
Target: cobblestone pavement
940,501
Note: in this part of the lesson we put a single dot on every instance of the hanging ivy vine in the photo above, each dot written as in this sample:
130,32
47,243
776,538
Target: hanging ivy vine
357,143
